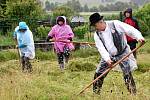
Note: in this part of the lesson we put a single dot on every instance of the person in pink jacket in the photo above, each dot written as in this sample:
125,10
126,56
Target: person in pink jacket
62,32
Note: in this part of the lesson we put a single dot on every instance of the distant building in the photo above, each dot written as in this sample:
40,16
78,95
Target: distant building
77,21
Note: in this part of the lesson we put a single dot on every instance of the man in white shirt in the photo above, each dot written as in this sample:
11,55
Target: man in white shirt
111,43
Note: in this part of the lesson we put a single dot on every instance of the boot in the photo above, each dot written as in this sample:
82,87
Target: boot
98,84
62,66
66,60
23,63
129,82
28,64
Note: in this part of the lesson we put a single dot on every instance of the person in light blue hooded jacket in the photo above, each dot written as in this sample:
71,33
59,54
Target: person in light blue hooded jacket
25,41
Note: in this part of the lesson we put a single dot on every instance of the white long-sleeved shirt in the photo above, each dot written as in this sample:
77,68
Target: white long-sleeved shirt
122,28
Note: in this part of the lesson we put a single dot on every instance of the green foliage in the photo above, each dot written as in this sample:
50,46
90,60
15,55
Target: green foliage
1,11
144,29
75,5
42,31
50,55
24,10
146,47
45,55
143,67
80,31
112,17
117,6
63,10
2,8
143,14
6,40
12,54
47,82
7,55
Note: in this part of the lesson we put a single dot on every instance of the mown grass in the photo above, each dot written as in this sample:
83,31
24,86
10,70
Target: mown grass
47,82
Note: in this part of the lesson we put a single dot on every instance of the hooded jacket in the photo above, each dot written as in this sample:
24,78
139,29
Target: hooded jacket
25,41
61,33
131,21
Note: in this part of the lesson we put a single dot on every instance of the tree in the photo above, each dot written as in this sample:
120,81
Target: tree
75,5
24,10
86,8
2,7
118,6
47,5
62,11
52,6
2,3
101,8
1,12
94,9
143,14
140,2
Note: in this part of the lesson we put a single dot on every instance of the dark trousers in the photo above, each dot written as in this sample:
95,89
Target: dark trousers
63,56
26,64
129,81
133,46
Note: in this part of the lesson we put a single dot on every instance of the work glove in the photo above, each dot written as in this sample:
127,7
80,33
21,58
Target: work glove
48,38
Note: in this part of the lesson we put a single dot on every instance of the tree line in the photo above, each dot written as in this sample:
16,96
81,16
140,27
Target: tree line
76,6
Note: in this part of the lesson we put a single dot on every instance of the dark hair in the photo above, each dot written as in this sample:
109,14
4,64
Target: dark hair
60,19
22,30
128,10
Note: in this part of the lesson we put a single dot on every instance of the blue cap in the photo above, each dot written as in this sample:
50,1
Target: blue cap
23,25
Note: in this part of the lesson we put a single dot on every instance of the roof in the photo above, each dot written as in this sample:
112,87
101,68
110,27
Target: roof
78,19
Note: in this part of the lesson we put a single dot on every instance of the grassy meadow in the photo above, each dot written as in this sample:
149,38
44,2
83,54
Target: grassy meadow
47,82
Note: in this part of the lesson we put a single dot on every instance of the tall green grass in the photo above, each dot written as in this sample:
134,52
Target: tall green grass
6,40
6,55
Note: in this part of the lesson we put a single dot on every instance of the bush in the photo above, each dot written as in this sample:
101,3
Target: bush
6,40
80,31
43,31
27,10
112,17
143,15
144,29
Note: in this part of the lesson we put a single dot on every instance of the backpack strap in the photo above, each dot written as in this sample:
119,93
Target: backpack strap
102,39
117,39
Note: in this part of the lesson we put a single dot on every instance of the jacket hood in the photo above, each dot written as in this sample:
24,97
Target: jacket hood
65,22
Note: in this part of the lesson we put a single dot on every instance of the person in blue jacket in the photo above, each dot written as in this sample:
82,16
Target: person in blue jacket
25,41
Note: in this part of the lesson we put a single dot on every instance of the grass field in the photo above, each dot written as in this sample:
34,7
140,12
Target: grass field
48,83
